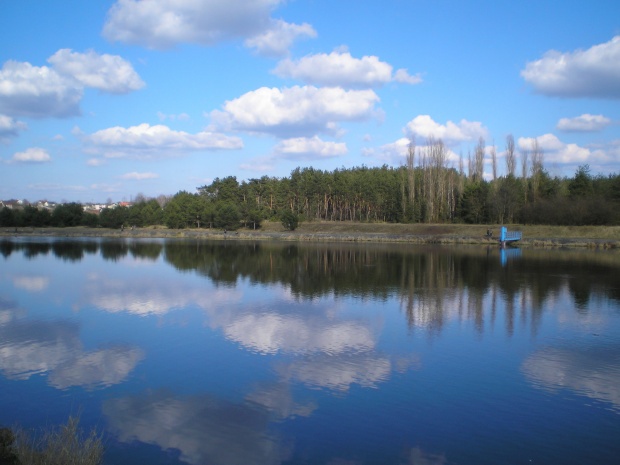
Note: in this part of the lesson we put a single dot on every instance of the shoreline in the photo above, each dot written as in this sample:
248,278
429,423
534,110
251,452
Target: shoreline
407,234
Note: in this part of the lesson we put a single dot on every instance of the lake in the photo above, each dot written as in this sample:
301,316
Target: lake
201,352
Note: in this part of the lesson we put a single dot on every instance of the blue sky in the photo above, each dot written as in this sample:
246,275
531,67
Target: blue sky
108,99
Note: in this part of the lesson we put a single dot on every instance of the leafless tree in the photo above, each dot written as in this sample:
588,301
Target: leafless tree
479,160
494,161
511,160
524,163
410,168
537,166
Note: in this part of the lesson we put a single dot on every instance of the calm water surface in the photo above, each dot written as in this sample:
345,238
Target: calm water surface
226,353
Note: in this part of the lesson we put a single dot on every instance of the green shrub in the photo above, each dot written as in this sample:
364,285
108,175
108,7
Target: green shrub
289,220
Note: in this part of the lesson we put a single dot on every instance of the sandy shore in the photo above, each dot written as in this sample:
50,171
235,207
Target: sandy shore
322,232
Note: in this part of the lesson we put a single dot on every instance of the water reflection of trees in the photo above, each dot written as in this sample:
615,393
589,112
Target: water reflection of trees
432,283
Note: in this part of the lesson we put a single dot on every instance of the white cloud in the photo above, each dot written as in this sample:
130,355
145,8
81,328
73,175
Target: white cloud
42,92
139,176
32,155
108,73
259,164
451,133
276,41
180,117
584,123
591,73
37,92
162,24
309,148
556,151
394,152
159,140
48,186
341,69
10,128
96,162
295,111
401,75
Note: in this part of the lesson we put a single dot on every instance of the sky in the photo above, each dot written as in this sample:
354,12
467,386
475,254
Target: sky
105,100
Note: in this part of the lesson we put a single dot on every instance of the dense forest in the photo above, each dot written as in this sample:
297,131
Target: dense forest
425,190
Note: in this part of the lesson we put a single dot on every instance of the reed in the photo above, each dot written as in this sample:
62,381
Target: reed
66,444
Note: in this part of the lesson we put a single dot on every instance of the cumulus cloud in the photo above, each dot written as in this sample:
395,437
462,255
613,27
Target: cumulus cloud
304,148
162,24
108,73
556,151
451,133
145,140
583,73
139,176
32,155
37,92
341,69
180,117
10,128
584,123
276,41
396,152
43,92
259,164
295,111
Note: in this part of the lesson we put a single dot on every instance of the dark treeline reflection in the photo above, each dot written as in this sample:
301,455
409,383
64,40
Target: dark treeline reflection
429,281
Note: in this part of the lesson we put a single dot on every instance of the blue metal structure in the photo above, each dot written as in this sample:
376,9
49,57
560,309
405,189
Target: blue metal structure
508,236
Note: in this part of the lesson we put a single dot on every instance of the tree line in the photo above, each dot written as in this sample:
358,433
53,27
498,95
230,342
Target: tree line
426,189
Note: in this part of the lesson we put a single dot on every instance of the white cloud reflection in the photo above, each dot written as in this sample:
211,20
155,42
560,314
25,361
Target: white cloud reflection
270,333
593,372
31,283
338,373
205,429
28,348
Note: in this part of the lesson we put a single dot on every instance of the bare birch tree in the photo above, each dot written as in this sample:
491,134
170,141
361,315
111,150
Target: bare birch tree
494,161
410,169
479,160
511,157
524,164
537,166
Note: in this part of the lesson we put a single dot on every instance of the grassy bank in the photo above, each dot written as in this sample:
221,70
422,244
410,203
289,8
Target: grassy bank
533,236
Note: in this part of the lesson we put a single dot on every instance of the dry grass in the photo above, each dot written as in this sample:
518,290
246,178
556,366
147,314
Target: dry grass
535,236
62,445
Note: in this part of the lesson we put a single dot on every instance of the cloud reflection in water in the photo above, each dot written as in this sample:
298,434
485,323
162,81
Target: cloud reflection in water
592,371
205,429
54,347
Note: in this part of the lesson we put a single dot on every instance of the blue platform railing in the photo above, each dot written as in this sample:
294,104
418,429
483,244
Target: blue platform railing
509,236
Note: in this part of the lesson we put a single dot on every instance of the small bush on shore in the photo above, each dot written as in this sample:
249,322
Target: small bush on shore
62,445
